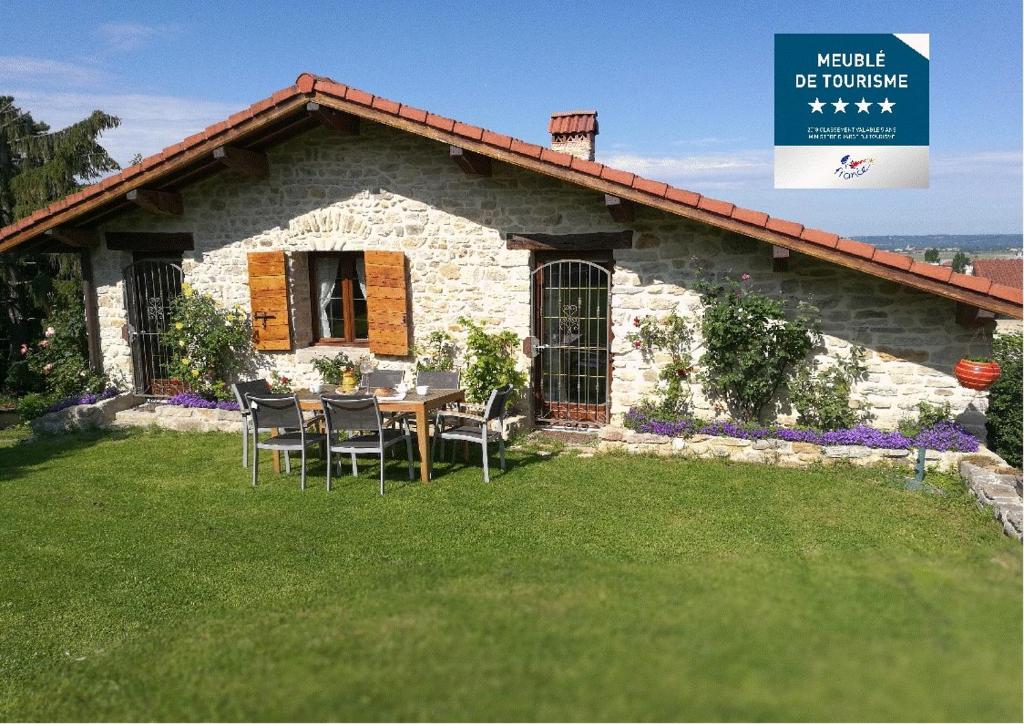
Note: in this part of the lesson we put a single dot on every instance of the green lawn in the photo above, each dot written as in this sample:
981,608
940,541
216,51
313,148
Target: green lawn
143,578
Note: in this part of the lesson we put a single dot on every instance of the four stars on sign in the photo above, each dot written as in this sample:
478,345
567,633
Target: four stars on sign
862,106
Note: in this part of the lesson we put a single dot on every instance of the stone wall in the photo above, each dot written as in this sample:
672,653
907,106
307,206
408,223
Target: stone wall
911,338
385,189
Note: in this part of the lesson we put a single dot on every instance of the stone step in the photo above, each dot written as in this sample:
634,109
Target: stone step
134,417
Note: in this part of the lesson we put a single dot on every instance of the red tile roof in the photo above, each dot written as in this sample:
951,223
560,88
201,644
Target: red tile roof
571,122
998,296
1009,272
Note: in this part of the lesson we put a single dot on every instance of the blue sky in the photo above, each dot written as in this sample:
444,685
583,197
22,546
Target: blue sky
683,89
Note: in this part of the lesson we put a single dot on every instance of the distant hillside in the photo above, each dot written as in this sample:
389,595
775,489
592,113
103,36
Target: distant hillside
965,242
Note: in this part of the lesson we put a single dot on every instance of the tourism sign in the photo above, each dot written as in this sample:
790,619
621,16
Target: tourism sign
851,111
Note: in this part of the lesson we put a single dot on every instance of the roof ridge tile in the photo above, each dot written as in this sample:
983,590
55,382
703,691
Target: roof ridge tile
789,228
857,248
1010,294
932,271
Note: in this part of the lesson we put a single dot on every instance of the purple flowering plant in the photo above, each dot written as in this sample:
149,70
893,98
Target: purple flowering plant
942,436
87,398
194,399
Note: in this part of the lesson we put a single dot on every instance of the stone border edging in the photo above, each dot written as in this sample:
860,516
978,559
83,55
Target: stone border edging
84,417
774,452
998,490
182,419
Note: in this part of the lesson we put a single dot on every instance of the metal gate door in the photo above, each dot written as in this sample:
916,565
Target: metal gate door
571,298
150,285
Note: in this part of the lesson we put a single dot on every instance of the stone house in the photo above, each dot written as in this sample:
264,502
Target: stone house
343,220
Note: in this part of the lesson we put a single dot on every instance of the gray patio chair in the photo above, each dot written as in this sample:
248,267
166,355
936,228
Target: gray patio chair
385,378
273,412
346,414
241,389
476,428
438,379
381,378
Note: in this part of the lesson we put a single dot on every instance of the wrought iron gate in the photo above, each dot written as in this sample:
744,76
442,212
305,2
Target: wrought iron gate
571,324
150,285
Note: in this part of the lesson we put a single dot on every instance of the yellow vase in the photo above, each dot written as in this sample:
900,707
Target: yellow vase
348,381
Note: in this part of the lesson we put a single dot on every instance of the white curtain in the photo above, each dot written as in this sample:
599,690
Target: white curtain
361,274
326,278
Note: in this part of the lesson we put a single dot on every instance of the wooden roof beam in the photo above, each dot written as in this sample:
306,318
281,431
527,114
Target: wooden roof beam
343,123
79,237
622,210
245,162
473,164
164,203
596,241
970,316
780,258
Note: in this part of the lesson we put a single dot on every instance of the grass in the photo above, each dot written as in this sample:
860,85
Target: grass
143,578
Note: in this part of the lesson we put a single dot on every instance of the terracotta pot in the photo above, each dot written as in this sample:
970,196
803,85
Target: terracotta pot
976,375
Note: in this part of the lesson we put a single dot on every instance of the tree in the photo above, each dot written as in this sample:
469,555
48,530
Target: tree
932,256
960,262
38,166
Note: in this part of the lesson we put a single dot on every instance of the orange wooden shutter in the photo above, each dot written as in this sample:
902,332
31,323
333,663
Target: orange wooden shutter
387,302
268,297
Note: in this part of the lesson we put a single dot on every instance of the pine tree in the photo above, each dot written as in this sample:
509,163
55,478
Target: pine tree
38,166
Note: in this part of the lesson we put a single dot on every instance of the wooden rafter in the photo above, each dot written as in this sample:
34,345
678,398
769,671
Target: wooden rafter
620,209
780,258
79,237
165,203
970,316
343,123
473,164
243,161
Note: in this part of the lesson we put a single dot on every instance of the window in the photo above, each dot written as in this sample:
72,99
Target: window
338,291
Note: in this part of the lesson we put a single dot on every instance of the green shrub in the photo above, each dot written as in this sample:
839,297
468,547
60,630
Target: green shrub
823,397
34,404
438,354
750,345
1005,409
22,378
928,416
210,346
670,334
490,362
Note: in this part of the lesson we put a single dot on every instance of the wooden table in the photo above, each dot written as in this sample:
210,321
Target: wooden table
421,406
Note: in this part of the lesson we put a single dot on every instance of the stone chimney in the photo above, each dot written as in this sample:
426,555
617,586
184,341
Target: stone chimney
573,132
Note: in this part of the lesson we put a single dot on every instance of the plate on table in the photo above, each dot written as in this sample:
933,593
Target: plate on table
388,394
